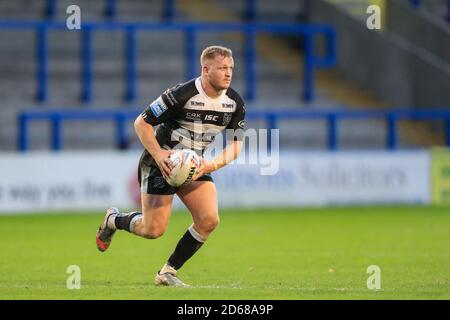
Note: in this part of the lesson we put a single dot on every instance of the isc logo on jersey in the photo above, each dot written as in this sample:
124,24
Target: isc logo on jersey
211,117
158,107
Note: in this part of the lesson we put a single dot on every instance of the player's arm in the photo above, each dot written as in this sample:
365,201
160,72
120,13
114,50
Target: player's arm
229,154
159,111
146,135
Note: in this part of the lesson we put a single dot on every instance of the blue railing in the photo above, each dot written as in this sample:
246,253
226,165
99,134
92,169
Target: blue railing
122,118
111,9
50,9
191,52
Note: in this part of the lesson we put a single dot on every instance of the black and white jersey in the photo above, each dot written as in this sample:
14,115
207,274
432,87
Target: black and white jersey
187,116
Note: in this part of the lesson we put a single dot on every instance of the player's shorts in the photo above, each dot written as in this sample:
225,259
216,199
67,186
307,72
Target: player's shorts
152,181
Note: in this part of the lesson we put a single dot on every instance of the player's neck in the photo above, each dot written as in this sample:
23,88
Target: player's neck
210,91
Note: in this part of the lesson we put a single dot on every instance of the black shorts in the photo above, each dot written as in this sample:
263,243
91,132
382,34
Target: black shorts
151,179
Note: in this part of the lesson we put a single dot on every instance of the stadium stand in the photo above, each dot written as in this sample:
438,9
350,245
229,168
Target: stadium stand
161,63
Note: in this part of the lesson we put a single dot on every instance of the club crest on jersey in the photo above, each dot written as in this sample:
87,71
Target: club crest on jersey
227,118
158,108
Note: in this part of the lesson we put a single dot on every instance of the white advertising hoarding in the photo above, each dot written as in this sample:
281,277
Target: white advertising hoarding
67,180
321,178
63,181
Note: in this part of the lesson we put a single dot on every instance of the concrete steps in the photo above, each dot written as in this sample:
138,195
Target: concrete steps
161,64
22,9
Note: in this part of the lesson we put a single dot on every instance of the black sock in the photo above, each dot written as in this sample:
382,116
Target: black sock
122,222
185,249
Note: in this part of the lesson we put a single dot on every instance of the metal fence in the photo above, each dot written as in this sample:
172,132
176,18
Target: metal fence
309,32
120,117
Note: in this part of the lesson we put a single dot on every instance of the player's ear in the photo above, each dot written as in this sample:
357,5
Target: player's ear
205,69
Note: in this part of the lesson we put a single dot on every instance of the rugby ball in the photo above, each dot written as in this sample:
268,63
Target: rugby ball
185,163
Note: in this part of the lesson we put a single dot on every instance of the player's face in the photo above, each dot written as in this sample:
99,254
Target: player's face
220,72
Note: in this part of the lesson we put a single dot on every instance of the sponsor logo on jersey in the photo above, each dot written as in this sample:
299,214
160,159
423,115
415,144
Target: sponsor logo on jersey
241,124
211,117
227,118
197,103
193,115
227,105
158,108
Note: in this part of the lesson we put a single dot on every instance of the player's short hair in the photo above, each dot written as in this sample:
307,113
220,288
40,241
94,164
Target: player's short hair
211,52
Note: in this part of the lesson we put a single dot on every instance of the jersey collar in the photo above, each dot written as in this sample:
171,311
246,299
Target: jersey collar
198,84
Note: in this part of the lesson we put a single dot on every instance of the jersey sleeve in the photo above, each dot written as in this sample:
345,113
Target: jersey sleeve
237,123
168,104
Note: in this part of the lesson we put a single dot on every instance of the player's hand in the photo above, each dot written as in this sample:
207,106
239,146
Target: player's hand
163,162
206,167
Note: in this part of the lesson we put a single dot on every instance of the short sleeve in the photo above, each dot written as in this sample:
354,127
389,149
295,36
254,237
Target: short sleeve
169,103
237,123
157,112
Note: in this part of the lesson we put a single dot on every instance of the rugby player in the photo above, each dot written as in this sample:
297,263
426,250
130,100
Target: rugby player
206,103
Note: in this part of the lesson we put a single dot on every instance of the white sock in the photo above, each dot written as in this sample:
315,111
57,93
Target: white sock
111,222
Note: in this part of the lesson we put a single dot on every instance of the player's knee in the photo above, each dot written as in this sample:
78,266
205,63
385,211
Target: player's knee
153,232
210,223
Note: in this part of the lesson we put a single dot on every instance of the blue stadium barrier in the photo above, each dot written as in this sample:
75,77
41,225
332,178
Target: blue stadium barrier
448,11
111,9
415,3
251,30
272,117
250,10
170,10
50,9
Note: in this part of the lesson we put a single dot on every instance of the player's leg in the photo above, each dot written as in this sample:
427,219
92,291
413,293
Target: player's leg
201,200
200,197
156,199
150,224
153,221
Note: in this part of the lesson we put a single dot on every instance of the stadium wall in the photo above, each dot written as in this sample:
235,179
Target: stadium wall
71,181
383,62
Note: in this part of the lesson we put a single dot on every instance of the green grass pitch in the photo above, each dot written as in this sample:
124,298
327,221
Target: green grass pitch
254,254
